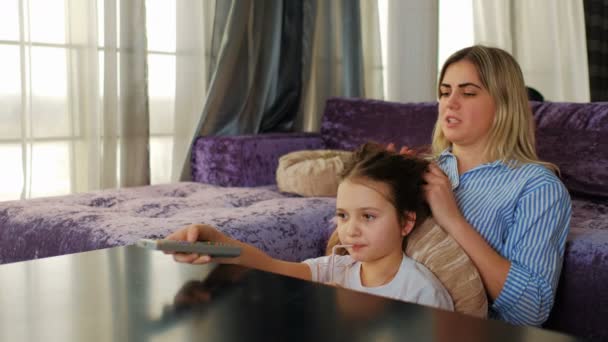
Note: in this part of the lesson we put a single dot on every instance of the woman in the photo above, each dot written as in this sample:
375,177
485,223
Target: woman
506,208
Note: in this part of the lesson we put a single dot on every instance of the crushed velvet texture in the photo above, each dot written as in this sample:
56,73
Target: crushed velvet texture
575,137
581,303
245,160
348,123
285,226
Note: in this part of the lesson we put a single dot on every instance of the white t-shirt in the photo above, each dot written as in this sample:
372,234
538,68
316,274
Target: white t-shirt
412,283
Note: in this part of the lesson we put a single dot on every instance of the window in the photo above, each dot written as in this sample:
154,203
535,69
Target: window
40,125
33,99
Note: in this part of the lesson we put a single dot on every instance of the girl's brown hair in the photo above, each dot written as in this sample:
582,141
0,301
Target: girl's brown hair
402,174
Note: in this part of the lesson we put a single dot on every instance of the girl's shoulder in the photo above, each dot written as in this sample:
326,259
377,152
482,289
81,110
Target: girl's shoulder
416,270
428,289
344,260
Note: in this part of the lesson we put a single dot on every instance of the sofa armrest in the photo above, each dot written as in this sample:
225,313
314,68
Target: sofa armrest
246,160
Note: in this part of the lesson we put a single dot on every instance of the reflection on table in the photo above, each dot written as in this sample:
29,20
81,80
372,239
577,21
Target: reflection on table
131,294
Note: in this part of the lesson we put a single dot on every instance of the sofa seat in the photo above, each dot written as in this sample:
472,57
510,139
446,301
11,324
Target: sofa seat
584,273
285,226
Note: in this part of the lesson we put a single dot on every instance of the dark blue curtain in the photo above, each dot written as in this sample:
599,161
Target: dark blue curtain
256,67
596,25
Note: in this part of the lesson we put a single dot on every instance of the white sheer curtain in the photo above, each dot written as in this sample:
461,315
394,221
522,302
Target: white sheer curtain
546,37
410,49
92,97
193,45
455,28
77,115
371,46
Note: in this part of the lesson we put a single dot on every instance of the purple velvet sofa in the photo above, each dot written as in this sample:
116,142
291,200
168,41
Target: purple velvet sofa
235,190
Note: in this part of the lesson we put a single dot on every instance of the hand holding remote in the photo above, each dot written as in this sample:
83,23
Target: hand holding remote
250,256
212,249
194,233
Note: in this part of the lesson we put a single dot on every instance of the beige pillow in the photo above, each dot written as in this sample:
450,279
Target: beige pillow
311,173
431,246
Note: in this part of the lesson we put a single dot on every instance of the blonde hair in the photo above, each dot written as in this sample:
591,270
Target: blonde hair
511,137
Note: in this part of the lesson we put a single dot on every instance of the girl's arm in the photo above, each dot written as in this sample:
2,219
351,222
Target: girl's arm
250,256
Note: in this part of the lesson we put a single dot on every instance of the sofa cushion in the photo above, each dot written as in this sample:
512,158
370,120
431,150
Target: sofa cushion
431,246
349,123
311,173
574,136
245,160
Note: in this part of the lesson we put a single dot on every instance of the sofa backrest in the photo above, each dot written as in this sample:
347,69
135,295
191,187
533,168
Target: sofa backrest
574,136
349,122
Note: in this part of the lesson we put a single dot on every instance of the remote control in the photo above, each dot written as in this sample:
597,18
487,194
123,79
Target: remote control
213,249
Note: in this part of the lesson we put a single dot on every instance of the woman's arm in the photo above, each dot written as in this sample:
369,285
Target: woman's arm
250,256
492,267
540,228
522,286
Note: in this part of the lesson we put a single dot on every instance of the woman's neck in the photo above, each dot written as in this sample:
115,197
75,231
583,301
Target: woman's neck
468,157
381,271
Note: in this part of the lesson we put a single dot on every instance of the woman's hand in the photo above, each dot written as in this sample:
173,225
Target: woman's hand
406,151
439,195
193,233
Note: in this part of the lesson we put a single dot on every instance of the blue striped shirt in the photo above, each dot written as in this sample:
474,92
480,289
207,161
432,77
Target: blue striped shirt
524,214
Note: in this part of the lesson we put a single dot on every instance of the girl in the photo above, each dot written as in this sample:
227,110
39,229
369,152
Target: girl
488,189
379,202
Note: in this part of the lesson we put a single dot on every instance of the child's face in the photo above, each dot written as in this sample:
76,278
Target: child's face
366,219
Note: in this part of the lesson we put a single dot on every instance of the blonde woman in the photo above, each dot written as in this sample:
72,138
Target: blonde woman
488,189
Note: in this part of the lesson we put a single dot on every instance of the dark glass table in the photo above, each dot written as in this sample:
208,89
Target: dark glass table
131,294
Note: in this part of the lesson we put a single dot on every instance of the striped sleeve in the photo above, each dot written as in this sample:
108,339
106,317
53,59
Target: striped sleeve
536,249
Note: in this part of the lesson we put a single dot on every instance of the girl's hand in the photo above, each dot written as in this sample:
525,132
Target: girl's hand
439,195
193,233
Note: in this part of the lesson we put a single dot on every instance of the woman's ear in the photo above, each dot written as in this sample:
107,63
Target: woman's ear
408,223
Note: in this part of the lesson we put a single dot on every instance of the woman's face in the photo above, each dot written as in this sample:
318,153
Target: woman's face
466,108
367,220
